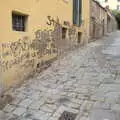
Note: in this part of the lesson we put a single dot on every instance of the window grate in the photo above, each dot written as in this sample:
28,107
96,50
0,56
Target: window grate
18,22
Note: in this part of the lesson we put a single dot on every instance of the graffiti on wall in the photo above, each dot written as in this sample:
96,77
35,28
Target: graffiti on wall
24,49
46,42
52,21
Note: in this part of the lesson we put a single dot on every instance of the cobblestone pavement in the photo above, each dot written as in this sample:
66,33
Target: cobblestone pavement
87,82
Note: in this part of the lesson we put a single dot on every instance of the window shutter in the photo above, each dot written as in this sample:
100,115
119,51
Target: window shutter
80,12
77,10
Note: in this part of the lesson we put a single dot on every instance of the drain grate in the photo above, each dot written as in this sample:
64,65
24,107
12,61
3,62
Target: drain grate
67,116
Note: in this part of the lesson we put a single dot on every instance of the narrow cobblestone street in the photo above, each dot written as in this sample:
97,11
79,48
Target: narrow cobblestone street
87,82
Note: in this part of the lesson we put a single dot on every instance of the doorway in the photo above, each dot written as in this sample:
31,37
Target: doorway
79,37
64,32
103,31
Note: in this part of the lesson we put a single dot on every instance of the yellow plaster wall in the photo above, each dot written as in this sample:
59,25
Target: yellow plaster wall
37,11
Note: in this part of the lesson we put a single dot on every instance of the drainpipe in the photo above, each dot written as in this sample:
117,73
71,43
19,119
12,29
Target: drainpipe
1,82
1,77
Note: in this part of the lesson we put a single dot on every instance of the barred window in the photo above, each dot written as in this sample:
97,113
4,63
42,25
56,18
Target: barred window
19,22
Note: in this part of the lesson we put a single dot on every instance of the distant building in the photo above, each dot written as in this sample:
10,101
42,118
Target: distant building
101,22
111,4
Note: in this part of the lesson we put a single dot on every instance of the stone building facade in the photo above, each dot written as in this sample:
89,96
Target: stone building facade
101,20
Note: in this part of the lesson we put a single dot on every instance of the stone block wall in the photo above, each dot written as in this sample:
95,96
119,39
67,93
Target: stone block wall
99,23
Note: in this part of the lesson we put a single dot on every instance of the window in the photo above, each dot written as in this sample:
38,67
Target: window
106,0
118,7
79,37
19,21
64,32
118,0
77,11
107,6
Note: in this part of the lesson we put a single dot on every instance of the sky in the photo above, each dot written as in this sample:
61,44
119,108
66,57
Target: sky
100,0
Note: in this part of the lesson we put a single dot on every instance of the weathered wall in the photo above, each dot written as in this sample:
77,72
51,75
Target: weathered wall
21,58
23,52
94,19
99,23
38,11
111,22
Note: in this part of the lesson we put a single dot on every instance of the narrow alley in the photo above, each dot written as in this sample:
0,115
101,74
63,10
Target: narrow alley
85,83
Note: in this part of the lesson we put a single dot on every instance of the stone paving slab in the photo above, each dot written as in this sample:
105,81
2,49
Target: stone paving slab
101,114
